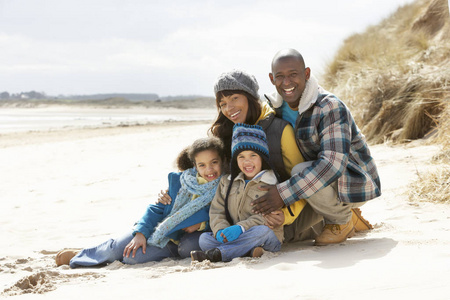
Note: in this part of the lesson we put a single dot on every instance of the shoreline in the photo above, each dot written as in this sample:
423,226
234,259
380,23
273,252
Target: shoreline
26,119
22,138
24,126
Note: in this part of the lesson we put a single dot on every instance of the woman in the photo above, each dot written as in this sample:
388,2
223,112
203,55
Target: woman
237,101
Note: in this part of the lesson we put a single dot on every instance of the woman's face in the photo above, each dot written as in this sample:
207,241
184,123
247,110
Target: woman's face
234,107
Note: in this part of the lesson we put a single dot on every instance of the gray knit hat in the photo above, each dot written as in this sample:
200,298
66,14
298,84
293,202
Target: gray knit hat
237,80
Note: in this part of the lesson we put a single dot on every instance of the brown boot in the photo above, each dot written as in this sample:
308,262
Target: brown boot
360,223
63,257
335,234
257,252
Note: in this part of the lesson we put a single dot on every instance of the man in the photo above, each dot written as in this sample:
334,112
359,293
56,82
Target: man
339,174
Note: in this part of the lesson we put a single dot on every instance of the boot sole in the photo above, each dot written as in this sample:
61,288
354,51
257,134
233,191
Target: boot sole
367,225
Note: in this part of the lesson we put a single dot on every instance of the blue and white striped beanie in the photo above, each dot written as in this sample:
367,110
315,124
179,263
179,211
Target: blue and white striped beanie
249,137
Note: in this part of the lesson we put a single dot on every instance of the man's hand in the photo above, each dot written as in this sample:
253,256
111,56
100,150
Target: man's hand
269,202
137,242
274,219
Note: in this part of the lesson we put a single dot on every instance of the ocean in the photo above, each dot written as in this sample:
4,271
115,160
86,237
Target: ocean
57,118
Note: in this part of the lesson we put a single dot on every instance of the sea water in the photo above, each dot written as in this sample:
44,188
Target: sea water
37,119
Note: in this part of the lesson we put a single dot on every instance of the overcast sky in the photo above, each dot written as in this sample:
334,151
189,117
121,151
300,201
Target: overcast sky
166,47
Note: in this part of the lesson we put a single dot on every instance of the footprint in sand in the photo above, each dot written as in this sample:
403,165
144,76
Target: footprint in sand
43,282
38,283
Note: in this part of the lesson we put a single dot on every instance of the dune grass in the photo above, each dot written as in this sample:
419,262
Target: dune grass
433,186
395,77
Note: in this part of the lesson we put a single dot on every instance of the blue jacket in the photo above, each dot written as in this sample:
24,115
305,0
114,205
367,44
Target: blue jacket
158,212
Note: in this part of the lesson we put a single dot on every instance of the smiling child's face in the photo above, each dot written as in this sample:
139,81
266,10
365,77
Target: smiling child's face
208,164
250,163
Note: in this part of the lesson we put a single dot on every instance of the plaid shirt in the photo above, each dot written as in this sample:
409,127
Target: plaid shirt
327,134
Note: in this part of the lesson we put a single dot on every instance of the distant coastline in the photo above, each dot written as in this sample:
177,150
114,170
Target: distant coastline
180,102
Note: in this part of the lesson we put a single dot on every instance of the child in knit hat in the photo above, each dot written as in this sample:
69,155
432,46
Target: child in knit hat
236,230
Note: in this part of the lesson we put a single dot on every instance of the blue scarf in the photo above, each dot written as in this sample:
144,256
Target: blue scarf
184,207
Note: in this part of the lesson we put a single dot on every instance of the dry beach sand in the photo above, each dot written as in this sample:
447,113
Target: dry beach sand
77,187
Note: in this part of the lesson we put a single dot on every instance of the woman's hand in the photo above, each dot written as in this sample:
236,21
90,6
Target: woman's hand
192,228
164,198
274,219
137,242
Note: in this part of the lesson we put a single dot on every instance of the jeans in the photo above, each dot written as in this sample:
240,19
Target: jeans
112,250
257,236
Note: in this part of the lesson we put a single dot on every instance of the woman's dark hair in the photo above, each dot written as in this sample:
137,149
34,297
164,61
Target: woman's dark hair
223,127
186,158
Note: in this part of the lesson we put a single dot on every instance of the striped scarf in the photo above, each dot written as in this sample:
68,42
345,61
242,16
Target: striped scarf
184,207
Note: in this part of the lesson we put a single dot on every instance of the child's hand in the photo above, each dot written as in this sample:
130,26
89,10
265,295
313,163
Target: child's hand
274,219
164,198
137,242
192,228
231,233
220,236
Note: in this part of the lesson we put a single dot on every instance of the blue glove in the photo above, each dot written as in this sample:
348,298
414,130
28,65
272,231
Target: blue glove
219,237
232,232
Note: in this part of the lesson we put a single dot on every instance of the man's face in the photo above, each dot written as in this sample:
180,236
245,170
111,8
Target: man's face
289,76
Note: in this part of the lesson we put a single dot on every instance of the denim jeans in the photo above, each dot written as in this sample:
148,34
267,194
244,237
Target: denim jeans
257,236
112,250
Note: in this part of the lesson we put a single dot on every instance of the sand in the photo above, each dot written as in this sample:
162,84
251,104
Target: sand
79,187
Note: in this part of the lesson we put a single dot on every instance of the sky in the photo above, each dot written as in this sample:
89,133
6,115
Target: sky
68,47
